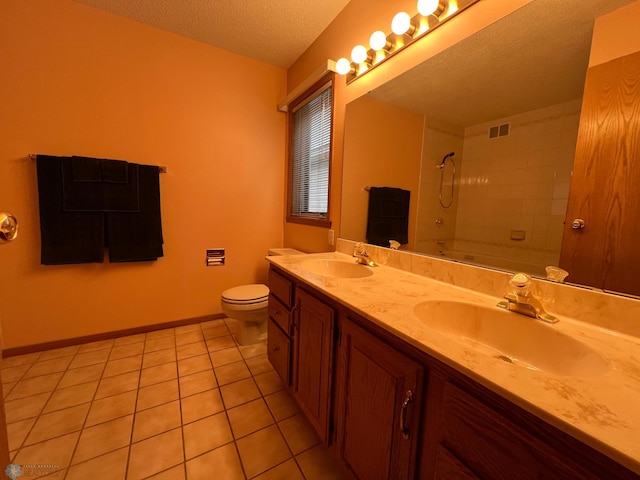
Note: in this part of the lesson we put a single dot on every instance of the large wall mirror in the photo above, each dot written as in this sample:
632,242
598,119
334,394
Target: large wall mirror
506,102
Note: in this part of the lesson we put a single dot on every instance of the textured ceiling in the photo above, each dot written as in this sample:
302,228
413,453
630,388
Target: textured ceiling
534,57
276,32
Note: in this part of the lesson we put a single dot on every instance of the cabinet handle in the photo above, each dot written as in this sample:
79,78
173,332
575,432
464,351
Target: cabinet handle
276,312
276,349
403,415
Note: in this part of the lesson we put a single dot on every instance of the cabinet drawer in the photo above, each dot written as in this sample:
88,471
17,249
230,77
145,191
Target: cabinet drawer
281,287
279,351
280,314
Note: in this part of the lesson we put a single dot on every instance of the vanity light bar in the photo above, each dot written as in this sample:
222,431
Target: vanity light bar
404,31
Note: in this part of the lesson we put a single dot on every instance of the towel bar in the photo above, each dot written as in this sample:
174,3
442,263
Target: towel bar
162,168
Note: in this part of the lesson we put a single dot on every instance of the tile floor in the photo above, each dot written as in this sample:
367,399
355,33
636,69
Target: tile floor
181,403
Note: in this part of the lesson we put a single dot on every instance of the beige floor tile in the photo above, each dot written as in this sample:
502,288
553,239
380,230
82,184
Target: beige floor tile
89,358
95,346
250,351
298,433
122,365
156,420
26,359
128,340
48,366
71,396
13,374
112,466
224,461
111,408
196,383
232,373
175,473
157,394
34,386
124,382
59,352
158,374
81,375
167,332
189,337
124,351
192,365
103,438
220,343
6,389
201,405
191,350
259,364
57,423
17,432
206,434
153,345
215,332
218,322
262,450
27,407
249,418
316,464
159,357
184,329
155,454
56,451
225,357
285,471
282,405
240,392
269,382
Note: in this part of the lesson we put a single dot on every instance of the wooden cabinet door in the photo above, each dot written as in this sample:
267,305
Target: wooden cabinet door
313,360
605,181
379,392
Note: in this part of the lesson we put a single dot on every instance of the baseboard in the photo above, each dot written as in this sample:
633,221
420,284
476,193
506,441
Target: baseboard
68,342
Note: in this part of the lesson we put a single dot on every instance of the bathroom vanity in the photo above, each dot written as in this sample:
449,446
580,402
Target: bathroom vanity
393,398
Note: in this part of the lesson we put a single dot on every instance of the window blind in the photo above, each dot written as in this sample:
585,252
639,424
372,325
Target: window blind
310,150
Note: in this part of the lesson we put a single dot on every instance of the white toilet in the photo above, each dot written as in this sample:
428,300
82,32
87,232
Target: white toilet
248,304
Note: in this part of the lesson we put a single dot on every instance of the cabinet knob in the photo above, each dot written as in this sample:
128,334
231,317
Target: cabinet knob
577,224
276,349
404,429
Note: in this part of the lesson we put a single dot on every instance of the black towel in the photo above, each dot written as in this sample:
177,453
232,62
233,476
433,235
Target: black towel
65,237
388,216
108,194
136,237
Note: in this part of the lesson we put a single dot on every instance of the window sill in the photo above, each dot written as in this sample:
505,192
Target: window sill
314,222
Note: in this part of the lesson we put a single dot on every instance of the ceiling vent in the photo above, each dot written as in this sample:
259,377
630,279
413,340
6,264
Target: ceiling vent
499,130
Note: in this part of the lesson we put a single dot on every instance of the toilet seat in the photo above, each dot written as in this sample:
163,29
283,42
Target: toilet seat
246,295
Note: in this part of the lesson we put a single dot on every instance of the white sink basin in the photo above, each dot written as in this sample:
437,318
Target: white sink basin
336,268
512,337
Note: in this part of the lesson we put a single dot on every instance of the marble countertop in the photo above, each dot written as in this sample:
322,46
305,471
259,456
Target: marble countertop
603,411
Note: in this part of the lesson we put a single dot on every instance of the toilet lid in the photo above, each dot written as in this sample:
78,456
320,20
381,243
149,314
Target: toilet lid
246,294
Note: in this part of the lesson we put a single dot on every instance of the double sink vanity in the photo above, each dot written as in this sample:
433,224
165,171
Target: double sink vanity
403,376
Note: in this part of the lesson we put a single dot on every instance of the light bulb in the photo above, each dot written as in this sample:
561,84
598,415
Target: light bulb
401,23
378,40
343,66
359,54
427,7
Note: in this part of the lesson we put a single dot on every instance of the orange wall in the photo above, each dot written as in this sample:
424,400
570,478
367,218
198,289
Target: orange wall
615,35
379,138
80,81
353,26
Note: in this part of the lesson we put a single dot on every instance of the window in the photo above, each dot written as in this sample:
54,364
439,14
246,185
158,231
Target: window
310,153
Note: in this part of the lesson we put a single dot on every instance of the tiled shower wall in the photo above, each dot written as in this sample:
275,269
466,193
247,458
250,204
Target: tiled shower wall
512,186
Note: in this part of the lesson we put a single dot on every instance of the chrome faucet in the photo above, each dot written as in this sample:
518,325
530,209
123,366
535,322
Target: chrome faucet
361,255
521,300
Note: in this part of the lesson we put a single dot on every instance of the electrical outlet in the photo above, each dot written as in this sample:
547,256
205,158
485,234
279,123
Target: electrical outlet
331,238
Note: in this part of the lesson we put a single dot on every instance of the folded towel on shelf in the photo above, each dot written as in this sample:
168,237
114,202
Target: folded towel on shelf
137,236
388,216
101,196
65,237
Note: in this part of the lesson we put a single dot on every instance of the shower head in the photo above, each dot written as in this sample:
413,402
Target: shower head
441,165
